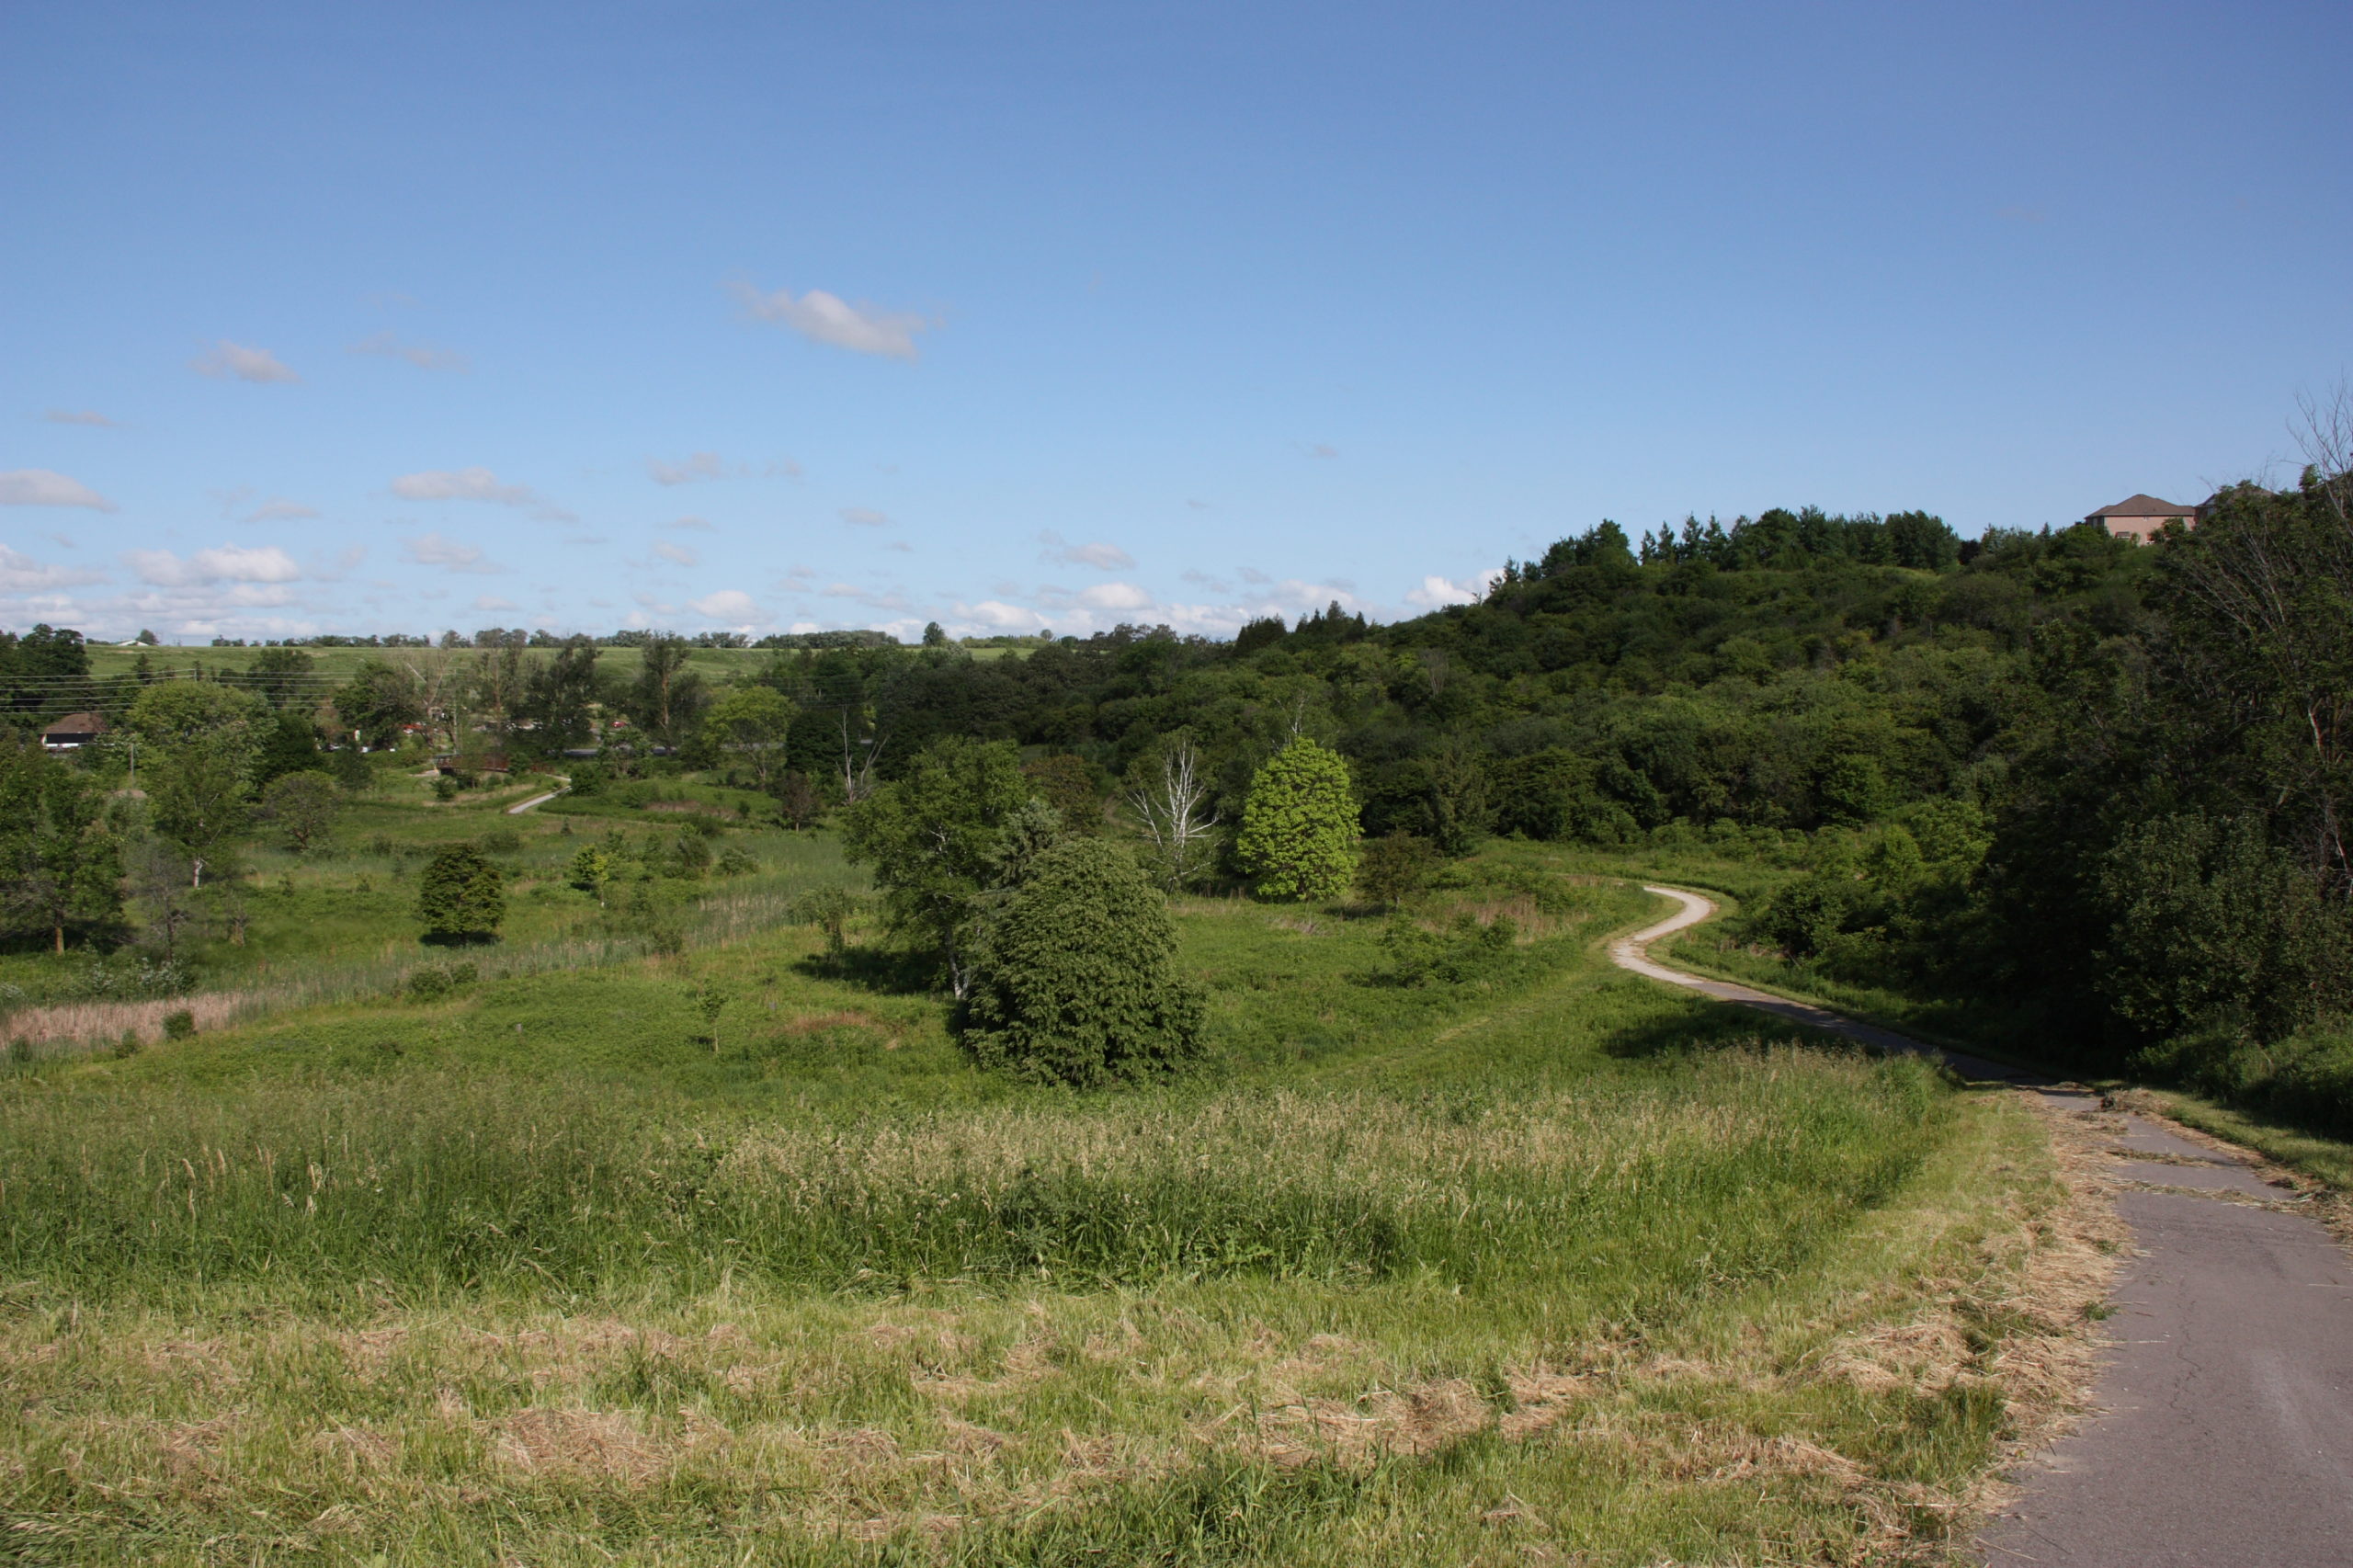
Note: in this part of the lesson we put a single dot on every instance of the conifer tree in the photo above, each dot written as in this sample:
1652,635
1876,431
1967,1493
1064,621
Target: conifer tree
461,895
1299,825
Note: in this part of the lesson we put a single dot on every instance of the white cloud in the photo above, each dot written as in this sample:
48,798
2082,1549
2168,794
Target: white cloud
865,517
996,613
679,554
1198,505
490,604
80,417
1436,593
229,563
826,318
20,574
731,606
432,550
46,487
783,468
277,510
900,546
1115,596
1103,557
424,356
476,484
700,465
696,524
227,358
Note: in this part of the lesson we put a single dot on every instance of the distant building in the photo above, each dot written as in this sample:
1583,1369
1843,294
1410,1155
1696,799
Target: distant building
72,732
2140,517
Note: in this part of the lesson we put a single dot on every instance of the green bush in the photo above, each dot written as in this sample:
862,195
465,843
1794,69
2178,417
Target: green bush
1414,954
460,896
1075,978
434,982
501,841
179,1024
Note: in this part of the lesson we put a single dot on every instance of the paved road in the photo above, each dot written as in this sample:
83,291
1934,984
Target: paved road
2224,1437
518,809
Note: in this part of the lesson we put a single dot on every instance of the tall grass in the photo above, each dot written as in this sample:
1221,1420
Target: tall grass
429,1184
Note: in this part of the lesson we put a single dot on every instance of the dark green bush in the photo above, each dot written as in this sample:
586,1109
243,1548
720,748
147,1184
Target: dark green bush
1413,954
1075,978
179,1024
460,896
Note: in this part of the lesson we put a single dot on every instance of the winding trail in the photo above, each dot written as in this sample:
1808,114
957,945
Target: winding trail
520,807
2224,1436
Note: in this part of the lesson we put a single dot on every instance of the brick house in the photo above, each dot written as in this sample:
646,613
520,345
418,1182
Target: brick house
2140,517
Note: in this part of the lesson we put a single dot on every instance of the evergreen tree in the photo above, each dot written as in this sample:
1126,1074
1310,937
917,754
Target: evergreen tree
1075,976
1299,825
461,896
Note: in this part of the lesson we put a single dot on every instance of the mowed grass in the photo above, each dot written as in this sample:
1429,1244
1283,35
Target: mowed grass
1550,1265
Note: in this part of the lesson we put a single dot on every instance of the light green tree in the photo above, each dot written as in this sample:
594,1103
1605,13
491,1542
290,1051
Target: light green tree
750,722
1299,825
934,839
304,806
198,790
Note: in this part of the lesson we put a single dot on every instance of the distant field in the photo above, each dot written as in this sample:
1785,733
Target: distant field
713,664
1547,1264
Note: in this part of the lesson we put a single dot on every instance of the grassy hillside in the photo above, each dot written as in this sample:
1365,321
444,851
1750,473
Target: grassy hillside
1542,1261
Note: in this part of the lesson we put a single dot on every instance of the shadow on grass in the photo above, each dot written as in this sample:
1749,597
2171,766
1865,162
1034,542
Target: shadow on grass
1711,1026
889,972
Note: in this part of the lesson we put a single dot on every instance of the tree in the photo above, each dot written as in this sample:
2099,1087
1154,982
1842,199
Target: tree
1393,868
380,701
932,838
289,744
799,800
560,699
280,677
172,714
1074,977
197,790
591,868
304,806
461,896
667,695
1066,783
59,867
933,635
1299,825
1170,795
750,722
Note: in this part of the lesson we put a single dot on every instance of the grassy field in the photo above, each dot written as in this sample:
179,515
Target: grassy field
1545,1264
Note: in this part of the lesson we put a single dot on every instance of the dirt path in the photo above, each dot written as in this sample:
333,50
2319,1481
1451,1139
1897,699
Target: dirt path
519,808
2224,1432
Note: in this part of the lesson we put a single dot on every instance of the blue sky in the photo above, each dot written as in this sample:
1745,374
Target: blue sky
372,317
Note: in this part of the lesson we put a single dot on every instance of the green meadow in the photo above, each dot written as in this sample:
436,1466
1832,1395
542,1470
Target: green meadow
1513,1259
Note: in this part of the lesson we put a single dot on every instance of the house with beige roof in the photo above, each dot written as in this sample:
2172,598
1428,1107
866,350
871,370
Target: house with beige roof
2140,517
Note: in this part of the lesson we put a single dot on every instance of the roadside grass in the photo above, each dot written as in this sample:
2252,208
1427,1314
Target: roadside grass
1549,1264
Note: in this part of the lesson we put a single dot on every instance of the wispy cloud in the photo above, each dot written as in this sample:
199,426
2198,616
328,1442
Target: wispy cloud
227,358
81,416
678,553
1115,596
491,605
228,564
865,517
827,318
47,487
277,510
433,549
20,574
424,356
701,465
694,525
476,484
1103,557
1320,449
872,598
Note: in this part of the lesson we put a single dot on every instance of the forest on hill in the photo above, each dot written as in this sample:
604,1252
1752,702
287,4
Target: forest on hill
2096,780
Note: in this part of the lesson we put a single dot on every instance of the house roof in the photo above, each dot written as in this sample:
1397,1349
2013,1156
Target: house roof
2146,506
77,725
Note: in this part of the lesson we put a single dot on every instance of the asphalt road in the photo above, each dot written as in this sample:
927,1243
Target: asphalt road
2223,1433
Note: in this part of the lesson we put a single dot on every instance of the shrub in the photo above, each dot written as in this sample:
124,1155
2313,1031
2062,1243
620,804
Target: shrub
179,1024
435,981
829,909
733,862
128,1046
445,787
1394,868
1415,955
501,841
1299,825
1075,978
460,896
